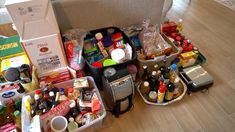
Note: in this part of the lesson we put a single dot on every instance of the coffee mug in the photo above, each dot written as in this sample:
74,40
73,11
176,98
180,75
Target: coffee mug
59,124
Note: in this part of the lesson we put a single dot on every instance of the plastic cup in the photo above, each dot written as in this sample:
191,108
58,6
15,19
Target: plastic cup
59,124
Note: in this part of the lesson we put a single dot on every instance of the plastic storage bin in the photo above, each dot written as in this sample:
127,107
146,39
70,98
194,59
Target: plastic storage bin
95,124
98,72
159,60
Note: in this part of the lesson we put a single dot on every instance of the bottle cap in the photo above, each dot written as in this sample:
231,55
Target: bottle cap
146,84
154,73
36,97
118,55
51,93
97,64
61,90
45,89
174,67
70,90
116,36
38,91
152,94
145,67
98,36
155,66
109,62
71,119
72,104
180,20
16,113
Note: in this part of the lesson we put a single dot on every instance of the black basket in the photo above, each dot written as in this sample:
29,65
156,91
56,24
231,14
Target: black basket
97,73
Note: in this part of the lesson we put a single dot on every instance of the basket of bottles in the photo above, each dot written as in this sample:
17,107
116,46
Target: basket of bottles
163,87
74,105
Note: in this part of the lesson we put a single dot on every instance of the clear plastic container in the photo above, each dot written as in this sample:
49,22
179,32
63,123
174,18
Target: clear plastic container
92,126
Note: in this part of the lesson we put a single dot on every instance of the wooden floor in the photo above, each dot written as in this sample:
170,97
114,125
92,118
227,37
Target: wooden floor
211,27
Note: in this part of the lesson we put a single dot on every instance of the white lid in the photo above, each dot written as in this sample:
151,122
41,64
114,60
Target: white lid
146,84
98,36
154,73
51,93
36,97
118,55
71,119
72,104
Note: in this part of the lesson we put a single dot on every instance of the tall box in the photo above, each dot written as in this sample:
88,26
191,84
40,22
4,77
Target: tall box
37,27
46,53
32,18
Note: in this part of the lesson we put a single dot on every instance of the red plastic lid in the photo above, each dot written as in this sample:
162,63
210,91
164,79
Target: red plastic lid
70,90
97,64
38,91
116,36
162,87
185,41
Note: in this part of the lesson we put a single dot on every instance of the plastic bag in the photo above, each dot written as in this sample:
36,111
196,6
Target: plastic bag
152,43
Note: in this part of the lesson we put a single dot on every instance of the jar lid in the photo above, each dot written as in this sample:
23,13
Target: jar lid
109,62
38,91
98,36
97,64
116,36
118,55
152,94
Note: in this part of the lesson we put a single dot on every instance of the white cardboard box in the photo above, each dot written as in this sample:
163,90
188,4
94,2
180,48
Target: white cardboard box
46,53
32,18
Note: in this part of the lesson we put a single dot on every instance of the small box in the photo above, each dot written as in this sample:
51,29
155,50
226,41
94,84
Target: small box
56,76
46,53
32,18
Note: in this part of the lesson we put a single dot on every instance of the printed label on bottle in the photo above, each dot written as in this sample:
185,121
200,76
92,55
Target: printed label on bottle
160,97
169,95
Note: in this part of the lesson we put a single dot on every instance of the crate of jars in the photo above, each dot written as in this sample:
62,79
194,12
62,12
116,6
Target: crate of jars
156,49
162,87
74,105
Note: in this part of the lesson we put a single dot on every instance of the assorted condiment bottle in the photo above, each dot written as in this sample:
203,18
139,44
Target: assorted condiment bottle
162,85
81,98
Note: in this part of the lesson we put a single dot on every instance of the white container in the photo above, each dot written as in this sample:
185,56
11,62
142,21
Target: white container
92,126
46,53
32,18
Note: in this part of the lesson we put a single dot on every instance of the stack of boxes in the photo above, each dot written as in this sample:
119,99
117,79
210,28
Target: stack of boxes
37,27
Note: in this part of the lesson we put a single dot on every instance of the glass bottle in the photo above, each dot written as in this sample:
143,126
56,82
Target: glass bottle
144,89
170,92
72,125
38,93
153,81
52,97
56,102
145,75
161,92
62,96
180,25
18,104
5,114
46,94
17,119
